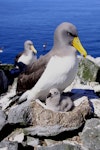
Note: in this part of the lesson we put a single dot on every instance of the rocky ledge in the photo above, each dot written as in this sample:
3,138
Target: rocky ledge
34,126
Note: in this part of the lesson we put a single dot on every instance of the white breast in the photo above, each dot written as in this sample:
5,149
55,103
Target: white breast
59,73
27,59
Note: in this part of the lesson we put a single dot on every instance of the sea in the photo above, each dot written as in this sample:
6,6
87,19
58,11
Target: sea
36,20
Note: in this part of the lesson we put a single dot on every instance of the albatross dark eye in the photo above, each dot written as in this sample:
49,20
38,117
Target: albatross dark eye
30,44
70,34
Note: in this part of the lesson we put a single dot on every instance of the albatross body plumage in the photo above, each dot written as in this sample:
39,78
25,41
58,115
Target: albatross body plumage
59,65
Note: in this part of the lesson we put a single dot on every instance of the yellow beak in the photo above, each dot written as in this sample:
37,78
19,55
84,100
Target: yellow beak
33,49
77,44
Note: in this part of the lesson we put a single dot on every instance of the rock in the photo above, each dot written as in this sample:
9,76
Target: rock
97,88
16,136
32,141
96,106
5,148
90,135
7,145
2,119
21,114
88,70
50,142
95,60
61,146
49,123
19,138
79,100
89,57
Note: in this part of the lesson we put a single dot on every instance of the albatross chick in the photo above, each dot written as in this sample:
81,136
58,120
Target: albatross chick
58,102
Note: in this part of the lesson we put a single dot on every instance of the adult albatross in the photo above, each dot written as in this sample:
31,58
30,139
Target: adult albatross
56,69
22,60
28,56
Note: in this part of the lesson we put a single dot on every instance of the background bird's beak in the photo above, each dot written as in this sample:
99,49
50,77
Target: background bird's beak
33,49
77,44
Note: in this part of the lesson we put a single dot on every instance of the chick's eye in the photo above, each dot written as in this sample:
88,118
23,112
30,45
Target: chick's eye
55,93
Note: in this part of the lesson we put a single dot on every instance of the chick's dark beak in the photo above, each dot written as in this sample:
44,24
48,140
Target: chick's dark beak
49,95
